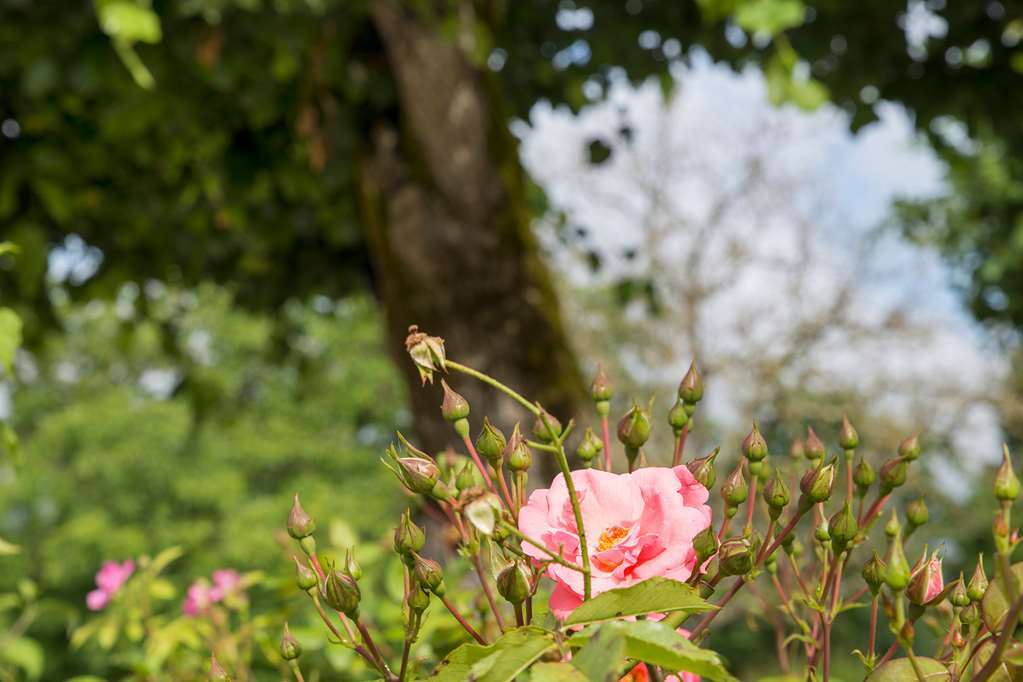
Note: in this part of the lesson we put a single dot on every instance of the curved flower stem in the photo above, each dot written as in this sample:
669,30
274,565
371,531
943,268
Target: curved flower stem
584,549
916,664
751,505
491,381
481,466
706,621
605,433
873,628
556,558
489,593
872,513
371,645
680,446
462,621
358,648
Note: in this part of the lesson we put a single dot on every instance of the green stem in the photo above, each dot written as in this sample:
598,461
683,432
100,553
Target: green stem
296,671
556,558
491,381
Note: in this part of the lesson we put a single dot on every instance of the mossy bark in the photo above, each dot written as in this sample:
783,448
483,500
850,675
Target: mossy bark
446,221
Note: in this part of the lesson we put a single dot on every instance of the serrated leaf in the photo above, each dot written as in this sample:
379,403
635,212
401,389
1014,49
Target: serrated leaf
656,643
655,595
556,672
501,661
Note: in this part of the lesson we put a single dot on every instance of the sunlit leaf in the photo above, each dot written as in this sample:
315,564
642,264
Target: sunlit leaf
660,595
498,662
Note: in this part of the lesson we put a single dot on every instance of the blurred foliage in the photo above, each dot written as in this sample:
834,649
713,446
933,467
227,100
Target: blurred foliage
121,460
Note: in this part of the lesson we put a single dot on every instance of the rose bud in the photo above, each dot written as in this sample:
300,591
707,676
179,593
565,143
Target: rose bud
601,391
735,557
678,417
418,598
341,592
978,581
873,573
634,428
427,352
893,474
540,424
847,436
455,409
909,449
733,489
427,573
927,583
290,648
513,584
896,575
797,450
893,527
843,528
442,492
754,447
1006,483
822,533
792,546
970,615
490,444
300,524
814,446
819,486
690,390
958,596
776,494
408,537
863,476
706,545
589,447
517,453
352,567
217,672
466,478
703,469
419,475
305,576
916,513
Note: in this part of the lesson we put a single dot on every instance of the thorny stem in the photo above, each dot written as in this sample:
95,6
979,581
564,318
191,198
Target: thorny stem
491,381
371,645
461,620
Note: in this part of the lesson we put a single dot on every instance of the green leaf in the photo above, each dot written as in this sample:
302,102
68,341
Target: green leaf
498,662
602,658
23,653
901,670
128,21
770,16
556,672
10,338
658,644
660,595
7,549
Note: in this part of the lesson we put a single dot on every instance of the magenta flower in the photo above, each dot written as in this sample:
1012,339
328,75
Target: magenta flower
638,525
201,594
109,579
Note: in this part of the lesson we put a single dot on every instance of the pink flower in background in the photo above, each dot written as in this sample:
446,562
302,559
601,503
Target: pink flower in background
201,594
109,579
638,526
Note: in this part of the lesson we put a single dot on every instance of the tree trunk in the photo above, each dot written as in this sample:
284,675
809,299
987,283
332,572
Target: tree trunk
442,197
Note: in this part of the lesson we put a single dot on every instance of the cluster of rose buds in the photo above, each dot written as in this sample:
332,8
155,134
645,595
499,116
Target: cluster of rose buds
797,523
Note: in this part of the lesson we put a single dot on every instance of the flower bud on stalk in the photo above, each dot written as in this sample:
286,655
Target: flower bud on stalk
678,417
513,583
863,476
540,431
706,545
217,672
873,573
843,528
290,648
300,524
814,446
776,494
978,581
797,450
847,436
893,474
690,390
589,447
909,449
893,527
735,557
970,615
466,478
352,567
418,598
427,352
634,431
926,584
490,444
703,469
517,453
896,576
816,486
419,475
958,596
1006,483
305,577
916,513
408,537
341,593
427,573
734,490
455,409
823,532
601,392
754,447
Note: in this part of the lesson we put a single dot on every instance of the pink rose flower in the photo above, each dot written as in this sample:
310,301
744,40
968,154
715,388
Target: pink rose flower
226,582
201,594
109,579
937,582
638,526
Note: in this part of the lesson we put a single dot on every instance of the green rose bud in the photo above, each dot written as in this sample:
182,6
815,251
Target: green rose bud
690,390
300,524
466,478
978,582
734,490
776,494
703,469
847,436
517,453
735,557
863,476
490,444
706,544
873,573
453,407
909,449
797,450
958,596
893,474
823,531
970,615
352,566
843,528
634,428
589,447
754,447
678,417
418,598
813,448
428,573
1006,483
305,576
601,390
898,572
819,486
290,648
419,475
916,512
408,537
513,583
341,592
540,431
893,527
